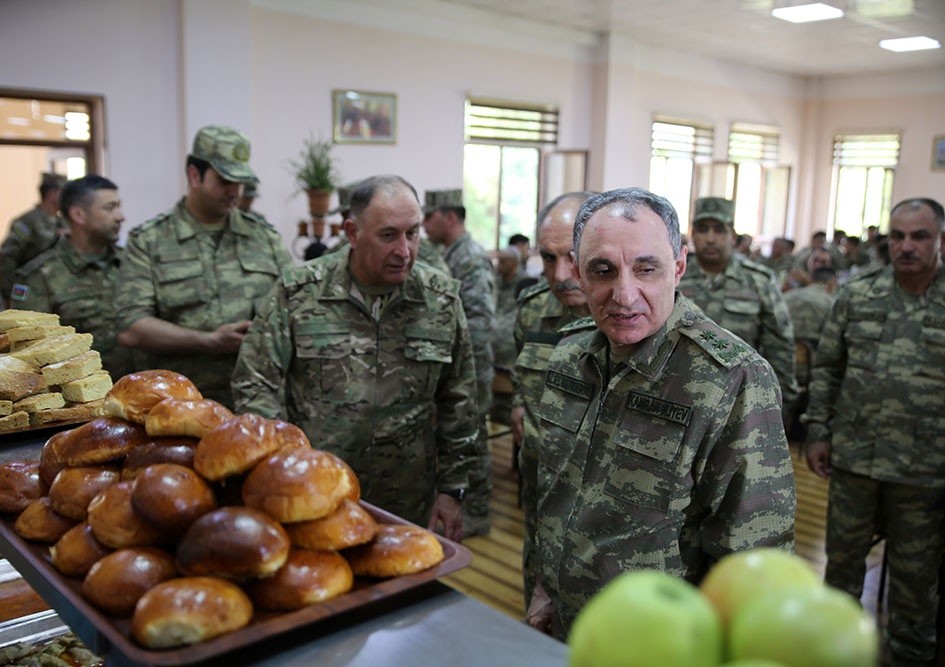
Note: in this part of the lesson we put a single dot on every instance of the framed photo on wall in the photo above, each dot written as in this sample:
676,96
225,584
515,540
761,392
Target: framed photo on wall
360,117
938,152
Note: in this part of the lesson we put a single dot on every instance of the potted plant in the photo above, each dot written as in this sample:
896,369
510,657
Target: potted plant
316,173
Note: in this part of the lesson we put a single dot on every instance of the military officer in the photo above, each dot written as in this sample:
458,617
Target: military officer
875,427
661,438
193,276
76,278
739,294
445,225
363,348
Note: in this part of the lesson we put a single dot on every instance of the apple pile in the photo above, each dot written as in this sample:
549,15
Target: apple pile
756,608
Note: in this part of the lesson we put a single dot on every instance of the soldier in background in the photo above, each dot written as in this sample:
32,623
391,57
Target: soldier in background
875,427
77,277
661,438
365,348
469,264
31,233
740,295
192,276
248,195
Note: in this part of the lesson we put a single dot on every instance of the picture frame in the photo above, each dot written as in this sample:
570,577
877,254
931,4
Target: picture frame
361,117
938,152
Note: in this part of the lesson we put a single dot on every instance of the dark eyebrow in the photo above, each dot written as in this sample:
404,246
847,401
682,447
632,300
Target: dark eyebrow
651,260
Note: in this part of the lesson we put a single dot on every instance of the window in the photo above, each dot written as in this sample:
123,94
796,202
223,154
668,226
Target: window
676,147
761,186
863,168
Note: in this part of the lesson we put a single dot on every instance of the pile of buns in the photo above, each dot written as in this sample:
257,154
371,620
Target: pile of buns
187,518
48,372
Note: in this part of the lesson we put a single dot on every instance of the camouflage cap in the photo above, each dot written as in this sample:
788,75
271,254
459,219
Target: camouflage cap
227,151
344,199
715,208
435,199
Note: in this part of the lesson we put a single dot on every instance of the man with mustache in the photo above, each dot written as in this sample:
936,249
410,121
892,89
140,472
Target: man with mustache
661,437
368,352
192,276
875,427
557,300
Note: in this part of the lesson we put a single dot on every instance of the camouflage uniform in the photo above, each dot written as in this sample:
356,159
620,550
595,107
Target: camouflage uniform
428,254
540,315
176,271
808,307
81,291
876,396
368,387
667,461
746,300
30,234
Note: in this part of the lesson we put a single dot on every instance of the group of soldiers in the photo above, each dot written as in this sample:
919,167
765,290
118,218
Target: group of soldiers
650,385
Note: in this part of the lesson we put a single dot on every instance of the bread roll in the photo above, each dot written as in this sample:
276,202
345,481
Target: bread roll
100,441
20,484
354,494
117,581
39,523
171,497
235,447
308,577
188,611
115,523
297,484
159,450
290,435
395,551
73,489
51,460
193,418
133,396
77,551
348,526
236,543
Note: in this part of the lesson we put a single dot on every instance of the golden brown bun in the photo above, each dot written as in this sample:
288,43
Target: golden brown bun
290,435
51,460
193,418
306,578
20,484
117,581
159,450
396,550
297,484
233,543
354,494
115,523
171,497
99,441
235,447
133,396
189,610
73,489
39,523
348,526
77,551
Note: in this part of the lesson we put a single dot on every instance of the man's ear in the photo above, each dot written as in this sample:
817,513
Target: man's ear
193,176
351,231
77,214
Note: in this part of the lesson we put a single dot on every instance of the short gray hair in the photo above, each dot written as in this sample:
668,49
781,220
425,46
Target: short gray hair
627,200
363,192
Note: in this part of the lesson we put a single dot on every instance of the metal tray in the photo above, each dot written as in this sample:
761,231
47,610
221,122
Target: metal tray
103,633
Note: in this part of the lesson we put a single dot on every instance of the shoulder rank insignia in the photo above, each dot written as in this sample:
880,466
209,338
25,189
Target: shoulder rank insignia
724,350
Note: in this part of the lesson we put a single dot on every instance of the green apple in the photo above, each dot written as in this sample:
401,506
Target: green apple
740,577
806,627
646,618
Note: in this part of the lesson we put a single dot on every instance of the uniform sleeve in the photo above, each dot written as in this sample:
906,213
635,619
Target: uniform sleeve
477,285
259,378
518,400
827,371
777,341
11,251
282,256
32,292
135,296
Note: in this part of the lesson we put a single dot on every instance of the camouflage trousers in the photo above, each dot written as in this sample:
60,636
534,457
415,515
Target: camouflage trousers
912,518
528,480
476,504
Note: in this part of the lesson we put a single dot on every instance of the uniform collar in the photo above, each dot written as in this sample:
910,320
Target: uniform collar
76,262
338,282
187,226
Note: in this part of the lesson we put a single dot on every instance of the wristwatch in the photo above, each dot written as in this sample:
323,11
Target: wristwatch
458,494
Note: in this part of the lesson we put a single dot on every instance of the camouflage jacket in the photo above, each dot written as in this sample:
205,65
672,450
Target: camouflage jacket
878,381
470,265
808,307
30,234
175,271
82,292
368,389
427,253
746,300
667,461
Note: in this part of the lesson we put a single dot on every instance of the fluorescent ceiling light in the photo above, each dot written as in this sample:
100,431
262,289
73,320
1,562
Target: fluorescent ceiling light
910,44
816,11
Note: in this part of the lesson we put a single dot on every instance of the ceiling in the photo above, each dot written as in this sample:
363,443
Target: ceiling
744,31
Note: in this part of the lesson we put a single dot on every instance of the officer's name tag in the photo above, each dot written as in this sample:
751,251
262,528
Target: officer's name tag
657,407
570,385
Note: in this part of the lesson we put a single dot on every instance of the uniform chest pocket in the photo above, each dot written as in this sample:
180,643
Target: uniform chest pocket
742,307
933,340
426,351
79,305
258,262
326,351
534,356
180,282
862,338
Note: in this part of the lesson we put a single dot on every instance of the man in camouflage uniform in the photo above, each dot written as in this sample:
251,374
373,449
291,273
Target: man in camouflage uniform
739,294
193,276
661,437
363,348
31,233
876,427
77,277
556,300
445,225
